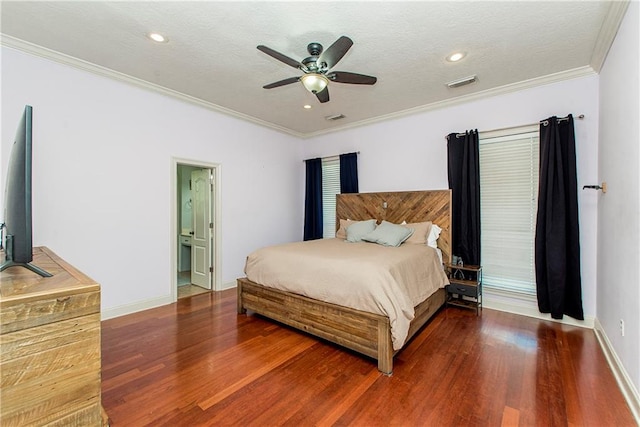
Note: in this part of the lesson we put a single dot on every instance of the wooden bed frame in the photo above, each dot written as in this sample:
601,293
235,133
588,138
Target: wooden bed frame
366,333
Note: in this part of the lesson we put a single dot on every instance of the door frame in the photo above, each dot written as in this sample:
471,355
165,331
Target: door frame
216,170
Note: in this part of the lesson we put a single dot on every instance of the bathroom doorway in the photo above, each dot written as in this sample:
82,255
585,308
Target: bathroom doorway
196,228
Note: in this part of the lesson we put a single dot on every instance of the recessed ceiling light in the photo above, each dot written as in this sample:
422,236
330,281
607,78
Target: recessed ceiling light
306,107
455,57
157,37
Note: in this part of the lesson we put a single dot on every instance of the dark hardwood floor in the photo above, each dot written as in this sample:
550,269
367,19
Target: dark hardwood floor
198,362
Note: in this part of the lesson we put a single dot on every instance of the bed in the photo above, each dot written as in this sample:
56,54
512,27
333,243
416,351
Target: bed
363,331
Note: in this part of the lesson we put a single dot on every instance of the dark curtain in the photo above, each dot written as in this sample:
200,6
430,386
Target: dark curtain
464,182
313,200
557,244
349,173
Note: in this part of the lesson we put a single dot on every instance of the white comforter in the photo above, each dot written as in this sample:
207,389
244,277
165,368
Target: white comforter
365,276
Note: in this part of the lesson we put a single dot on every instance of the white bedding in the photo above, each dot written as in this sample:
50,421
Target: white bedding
389,281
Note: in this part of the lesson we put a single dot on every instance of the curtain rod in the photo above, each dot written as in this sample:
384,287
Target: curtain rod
542,122
560,119
337,156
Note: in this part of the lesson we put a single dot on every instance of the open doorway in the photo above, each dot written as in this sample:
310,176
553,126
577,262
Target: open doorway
195,228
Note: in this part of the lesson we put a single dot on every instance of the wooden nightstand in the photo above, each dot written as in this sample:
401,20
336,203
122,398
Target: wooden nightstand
465,289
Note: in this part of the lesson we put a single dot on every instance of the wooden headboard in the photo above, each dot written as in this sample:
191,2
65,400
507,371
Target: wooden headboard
409,206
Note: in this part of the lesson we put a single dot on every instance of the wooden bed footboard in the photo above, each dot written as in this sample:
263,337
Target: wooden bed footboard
363,332
366,333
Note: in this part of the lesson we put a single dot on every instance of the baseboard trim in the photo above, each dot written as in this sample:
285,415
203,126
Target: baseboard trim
122,310
526,305
229,285
624,382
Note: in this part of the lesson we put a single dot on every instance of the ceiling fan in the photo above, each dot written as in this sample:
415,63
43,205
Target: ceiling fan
316,68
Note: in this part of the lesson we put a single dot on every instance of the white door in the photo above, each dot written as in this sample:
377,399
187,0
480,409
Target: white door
201,188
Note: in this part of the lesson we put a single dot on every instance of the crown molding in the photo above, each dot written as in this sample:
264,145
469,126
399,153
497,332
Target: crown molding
43,52
607,33
36,50
488,93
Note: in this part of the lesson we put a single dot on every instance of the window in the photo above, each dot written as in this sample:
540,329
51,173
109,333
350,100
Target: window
330,187
508,205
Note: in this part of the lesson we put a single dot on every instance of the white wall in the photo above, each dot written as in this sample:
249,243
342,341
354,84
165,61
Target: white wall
619,209
102,175
411,153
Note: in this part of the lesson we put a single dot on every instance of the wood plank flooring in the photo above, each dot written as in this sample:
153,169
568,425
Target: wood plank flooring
199,363
190,290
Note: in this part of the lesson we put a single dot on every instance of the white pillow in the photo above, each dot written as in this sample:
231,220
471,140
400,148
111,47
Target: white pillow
432,240
388,234
359,229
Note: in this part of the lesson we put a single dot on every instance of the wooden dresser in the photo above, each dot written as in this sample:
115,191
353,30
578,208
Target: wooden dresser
49,346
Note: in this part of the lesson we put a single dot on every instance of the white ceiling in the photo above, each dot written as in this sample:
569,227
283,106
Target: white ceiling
211,57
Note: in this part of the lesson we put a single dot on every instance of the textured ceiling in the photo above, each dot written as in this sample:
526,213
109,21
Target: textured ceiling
211,57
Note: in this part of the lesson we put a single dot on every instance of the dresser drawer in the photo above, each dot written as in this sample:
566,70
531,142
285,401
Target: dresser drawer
463,289
185,240
37,363
32,312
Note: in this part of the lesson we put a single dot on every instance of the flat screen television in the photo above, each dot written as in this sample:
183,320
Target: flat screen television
18,241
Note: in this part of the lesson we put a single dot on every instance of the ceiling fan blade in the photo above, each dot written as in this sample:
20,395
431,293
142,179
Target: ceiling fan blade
282,82
335,52
352,78
280,57
323,95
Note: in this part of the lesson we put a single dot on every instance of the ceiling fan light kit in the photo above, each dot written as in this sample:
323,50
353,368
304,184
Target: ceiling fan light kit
314,83
316,68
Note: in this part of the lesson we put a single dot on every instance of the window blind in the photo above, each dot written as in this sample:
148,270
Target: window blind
508,205
330,187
